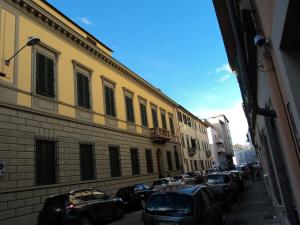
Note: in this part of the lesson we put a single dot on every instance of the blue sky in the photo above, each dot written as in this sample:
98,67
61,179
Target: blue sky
175,45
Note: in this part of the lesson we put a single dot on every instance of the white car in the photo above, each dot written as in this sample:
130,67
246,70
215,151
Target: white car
187,179
163,182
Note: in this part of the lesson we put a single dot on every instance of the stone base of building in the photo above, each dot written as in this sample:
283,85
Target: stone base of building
21,199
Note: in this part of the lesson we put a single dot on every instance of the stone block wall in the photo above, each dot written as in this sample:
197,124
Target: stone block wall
21,199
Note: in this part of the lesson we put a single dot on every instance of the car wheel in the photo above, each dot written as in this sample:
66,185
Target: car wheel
85,220
118,213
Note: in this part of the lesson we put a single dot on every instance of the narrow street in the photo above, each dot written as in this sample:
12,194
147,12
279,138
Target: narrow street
254,208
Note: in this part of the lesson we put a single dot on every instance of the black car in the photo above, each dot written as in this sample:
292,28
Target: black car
79,207
135,196
184,205
238,179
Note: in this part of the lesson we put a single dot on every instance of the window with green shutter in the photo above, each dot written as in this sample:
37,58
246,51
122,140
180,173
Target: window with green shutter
176,156
135,163
154,117
115,163
163,119
171,125
129,108
83,91
144,115
179,116
109,101
45,162
149,161
45,75
169,161
87,170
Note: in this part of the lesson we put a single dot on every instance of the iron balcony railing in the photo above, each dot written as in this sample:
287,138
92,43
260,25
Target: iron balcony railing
159,135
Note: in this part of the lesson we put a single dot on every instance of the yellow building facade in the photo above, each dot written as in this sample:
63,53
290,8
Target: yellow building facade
68,100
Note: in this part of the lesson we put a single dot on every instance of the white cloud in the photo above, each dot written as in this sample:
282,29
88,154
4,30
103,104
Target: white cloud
224,78
224,68
85,20
226,72
237,120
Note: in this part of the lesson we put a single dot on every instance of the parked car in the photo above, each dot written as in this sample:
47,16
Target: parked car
224,186
163,182
80,207
244,170
184,205
185,179
179,180
197,175
135,196
238,179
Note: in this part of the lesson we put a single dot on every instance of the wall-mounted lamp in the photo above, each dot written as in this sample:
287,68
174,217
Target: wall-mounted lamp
31,41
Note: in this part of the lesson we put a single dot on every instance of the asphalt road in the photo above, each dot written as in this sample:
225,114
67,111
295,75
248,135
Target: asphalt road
132,218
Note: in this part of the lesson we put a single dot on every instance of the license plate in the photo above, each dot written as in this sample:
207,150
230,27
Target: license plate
167,223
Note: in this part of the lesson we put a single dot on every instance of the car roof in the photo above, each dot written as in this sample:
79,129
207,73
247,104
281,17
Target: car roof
218,173
132,186
165,178
182,189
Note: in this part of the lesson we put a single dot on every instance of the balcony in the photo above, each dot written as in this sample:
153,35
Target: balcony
191,151
159,135
220,141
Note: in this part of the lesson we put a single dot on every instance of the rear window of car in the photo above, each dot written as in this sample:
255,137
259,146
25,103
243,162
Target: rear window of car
56,202
141,187
218,178
81,196
170,204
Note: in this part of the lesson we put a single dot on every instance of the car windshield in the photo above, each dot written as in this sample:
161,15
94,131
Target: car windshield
170,204
215,178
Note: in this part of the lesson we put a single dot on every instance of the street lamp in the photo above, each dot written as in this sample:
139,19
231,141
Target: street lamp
31,41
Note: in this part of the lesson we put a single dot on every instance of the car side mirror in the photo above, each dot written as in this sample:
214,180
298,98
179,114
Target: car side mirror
106,197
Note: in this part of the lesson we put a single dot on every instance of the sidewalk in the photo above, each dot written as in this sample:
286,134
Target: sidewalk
254,207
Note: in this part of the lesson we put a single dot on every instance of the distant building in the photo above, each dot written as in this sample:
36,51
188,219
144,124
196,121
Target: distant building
195,147
244,154
220,141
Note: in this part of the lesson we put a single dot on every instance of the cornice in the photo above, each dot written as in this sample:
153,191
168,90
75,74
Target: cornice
44,17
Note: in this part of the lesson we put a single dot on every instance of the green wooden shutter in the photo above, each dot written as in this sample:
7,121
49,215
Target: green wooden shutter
154,117
112,102
45,163
49,67
163,120
87,162
107,102
86,92
40,74
115,165
171,125
80,90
